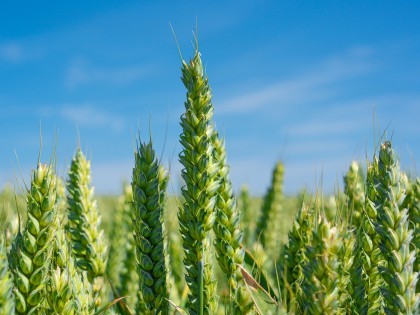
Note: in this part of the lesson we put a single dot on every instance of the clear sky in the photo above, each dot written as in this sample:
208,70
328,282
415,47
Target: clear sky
300,81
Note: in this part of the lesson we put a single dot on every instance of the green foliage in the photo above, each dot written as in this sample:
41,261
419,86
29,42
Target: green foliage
149,188
196,215
30,256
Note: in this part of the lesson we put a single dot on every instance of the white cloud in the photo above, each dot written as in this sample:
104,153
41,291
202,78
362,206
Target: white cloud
308,87
90,116
81,72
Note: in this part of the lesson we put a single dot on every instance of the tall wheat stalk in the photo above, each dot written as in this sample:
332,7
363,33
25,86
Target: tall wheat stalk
196,216
228,232
84,225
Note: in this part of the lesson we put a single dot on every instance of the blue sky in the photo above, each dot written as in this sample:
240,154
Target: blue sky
300,81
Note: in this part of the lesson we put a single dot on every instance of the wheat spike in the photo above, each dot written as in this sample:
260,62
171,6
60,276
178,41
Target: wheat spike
149,189
84,225
30,256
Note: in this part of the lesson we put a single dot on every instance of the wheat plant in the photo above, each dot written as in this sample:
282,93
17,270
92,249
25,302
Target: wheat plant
228,233
84,224
392,226
197,215
268,224
355,192
67,293
30,256
320,289
149,188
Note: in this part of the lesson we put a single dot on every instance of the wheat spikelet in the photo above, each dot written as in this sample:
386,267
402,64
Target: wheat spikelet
268,223
294,256
393,226
30,256
228,233
320,284
84,225
368,257
196,215
412,203
149,186
354,189
346,257
67,293
7,301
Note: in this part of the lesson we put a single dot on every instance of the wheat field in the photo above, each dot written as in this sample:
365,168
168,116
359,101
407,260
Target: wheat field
209,249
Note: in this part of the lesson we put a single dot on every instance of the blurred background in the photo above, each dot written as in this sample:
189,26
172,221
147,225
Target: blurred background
311,83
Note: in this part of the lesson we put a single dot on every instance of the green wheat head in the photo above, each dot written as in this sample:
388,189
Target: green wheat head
294,255
321,273
355,192
149,188
196,216
30,256
7,301
84,224
394,228
268,224
227,230
366,277
67,293
412,203
346,257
